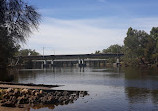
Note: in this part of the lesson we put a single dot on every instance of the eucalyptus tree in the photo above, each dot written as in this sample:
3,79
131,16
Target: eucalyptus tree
154,43
136,44
17,21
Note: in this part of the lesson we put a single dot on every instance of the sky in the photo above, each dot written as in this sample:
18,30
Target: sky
84,26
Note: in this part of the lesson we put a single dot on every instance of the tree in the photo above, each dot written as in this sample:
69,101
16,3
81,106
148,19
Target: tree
27,52
113,49
7,47
17,20
140,46
154,43
97,52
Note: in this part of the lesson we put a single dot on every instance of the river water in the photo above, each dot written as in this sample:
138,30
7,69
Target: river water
110,89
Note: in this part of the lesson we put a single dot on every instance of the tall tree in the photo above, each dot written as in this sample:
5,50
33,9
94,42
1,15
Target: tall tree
17,20
135,43
154,37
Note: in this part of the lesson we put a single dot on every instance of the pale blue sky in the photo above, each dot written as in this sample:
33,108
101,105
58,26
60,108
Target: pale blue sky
83,26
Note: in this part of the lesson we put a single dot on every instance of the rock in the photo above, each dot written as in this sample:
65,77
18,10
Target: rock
24,91
73,94
33,92
30,100
21,106
85,93
34,99
64,102
81,95
15,97
3,101
6,96
61,99
71,98
8,104
9,90
44,100
41,92
37,93
65,93
51,98
16,93
22,100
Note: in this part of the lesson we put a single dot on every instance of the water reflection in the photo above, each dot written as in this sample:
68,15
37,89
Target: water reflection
136,95
141,77
116,88
39,106
137,73
7,75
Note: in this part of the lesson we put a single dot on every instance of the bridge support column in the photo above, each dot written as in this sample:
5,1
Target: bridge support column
81,63
99,63
104,64
44,64
52,62
117,62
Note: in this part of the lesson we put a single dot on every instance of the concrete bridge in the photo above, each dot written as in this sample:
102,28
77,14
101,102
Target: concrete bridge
81,60
71,56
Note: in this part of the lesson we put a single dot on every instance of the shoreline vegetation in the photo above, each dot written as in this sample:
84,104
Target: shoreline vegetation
139,48
24,97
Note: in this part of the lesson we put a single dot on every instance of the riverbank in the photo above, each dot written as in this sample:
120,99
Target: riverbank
20,97
28,86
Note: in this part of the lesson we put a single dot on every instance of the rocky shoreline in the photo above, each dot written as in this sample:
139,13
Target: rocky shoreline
14,97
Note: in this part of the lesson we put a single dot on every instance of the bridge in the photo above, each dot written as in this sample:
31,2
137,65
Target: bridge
71,56
80,59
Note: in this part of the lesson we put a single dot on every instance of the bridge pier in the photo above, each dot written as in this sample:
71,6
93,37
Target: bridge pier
44,64
81,63
52,62
117,62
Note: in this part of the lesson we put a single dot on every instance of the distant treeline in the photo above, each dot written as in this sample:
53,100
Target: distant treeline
139,47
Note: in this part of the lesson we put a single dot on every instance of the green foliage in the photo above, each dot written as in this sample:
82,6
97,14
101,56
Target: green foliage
8,47
113,49
17,19
27,52
97,52
141,47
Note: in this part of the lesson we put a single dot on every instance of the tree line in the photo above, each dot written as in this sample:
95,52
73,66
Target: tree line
139,47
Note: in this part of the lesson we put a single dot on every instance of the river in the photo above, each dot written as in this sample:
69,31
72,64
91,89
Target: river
110,89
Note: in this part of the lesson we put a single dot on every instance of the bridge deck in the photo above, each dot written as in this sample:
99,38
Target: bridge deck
81,56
